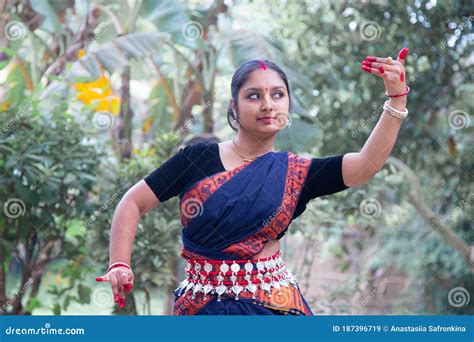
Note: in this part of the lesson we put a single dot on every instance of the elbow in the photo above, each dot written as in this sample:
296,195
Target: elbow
132,206
362,178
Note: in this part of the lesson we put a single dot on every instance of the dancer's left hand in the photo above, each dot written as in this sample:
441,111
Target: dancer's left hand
393,74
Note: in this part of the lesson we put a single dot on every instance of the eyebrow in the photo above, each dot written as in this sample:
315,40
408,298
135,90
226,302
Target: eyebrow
258,89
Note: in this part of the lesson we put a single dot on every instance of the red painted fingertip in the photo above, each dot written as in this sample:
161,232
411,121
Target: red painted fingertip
403,53
366,63
116,298
99,279
381,69
371,59
402,77
367,69
127,287
122,303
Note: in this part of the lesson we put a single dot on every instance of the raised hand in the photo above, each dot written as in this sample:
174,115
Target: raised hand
392,72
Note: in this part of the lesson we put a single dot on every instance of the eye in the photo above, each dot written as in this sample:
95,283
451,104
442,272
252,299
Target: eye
281,95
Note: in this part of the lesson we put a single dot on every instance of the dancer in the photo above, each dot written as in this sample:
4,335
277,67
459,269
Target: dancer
237,198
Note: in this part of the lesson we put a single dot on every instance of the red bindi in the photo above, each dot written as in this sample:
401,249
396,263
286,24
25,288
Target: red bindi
262,65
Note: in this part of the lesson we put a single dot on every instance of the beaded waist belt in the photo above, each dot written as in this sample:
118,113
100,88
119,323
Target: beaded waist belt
234,276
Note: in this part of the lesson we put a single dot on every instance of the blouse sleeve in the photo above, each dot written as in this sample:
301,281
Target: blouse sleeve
324,177
171,177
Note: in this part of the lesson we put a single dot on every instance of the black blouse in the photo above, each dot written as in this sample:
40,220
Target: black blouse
195,162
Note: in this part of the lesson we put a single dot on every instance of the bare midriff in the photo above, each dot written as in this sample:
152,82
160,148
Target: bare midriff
270,248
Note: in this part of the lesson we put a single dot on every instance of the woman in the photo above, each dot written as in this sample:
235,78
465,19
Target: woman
237,198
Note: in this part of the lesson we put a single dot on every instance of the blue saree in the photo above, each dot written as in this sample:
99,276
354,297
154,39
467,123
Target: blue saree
230,216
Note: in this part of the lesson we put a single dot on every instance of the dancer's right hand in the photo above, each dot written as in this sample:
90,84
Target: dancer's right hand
121,279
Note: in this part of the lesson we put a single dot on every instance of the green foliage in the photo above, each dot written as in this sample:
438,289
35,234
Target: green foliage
69,175
48,167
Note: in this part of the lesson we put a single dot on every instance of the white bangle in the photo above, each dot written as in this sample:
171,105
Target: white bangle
396,113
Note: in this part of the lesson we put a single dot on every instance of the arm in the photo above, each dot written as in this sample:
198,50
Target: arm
136,202
358,168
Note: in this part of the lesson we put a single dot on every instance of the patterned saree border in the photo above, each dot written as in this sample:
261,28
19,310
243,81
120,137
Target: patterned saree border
298,168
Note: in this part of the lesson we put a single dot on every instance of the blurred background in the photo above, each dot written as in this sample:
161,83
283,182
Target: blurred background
96,94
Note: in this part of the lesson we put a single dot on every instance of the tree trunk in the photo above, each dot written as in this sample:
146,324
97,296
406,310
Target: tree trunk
429,216
124,129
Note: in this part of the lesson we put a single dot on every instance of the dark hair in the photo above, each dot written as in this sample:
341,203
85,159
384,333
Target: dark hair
240,77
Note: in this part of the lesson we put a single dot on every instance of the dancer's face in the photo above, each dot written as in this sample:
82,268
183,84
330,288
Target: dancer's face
263,94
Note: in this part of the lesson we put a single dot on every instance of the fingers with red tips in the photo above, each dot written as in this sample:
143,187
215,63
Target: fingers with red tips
403,53
366,63
402,77
381,69
102,278
371,59
116,298
127,287
366,68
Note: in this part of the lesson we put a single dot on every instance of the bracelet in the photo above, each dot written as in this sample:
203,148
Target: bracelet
407,90
394,112
115,264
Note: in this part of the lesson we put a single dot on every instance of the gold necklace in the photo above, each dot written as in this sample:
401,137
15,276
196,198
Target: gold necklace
246,159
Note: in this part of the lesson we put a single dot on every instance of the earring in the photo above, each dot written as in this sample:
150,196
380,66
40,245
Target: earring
236,120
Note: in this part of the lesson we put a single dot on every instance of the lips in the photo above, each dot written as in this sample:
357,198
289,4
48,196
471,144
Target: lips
266,117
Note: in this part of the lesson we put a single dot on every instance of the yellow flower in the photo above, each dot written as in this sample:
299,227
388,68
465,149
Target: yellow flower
81,53
5,105
99,94
102,85
87,96
110,104
58,280
147,125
